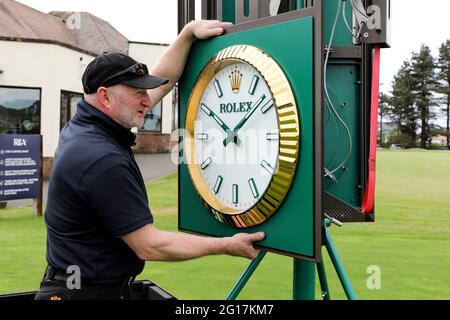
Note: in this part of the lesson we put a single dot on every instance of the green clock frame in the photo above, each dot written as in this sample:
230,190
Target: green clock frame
295,229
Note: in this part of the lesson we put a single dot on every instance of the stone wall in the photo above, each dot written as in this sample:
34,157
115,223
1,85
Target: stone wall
47,164
153,143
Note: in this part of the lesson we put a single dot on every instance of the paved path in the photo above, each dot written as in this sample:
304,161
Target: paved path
152,166
155,165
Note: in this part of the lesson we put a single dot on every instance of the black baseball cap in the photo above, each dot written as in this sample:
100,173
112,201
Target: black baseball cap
110,69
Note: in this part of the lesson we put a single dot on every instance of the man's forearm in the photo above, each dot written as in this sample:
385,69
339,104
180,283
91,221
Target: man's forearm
171,64
169,246
151,244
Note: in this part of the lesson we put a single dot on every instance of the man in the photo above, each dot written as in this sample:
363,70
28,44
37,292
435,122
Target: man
97,215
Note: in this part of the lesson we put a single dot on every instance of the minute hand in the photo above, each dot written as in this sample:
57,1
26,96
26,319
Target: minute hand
219,121
245,118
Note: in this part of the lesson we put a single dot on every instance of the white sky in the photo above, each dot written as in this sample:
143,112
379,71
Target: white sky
413,22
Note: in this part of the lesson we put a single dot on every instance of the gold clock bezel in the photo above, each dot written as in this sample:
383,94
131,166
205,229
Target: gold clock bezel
289,136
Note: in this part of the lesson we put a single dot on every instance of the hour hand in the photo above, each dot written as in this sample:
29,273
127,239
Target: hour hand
233,134
219,121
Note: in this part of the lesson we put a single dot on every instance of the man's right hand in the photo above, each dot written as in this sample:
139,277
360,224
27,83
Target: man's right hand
241,244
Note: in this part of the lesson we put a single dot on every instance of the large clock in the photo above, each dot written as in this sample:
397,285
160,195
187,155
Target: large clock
243,137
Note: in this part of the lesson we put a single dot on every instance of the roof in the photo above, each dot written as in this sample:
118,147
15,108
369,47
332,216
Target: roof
81,30
92,33
149,43
20,21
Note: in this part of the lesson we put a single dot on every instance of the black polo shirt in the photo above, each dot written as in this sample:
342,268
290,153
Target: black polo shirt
96,195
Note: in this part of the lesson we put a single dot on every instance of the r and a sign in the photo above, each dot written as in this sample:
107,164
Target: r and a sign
20,161
20,142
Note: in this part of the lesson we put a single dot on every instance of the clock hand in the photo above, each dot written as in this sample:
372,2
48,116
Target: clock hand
233,134
219,121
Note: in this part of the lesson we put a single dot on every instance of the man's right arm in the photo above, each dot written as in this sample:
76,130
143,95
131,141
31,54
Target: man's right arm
171,63
151,244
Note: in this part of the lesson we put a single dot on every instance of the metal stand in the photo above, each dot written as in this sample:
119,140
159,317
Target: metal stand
304,282
304,275
337,263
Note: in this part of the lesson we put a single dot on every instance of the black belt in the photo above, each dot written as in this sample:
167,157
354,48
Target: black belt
52,273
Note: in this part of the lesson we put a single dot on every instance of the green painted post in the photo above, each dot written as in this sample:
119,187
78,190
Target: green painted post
323,280
229,11
304,283
300,4
245,276
246,8
337,263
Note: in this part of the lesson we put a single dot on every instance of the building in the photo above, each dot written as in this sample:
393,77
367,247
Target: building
42,59
439,140
385,131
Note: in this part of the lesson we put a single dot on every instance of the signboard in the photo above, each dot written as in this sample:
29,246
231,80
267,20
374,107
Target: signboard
20,160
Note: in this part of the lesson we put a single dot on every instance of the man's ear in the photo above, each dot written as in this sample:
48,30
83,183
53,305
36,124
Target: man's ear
104,96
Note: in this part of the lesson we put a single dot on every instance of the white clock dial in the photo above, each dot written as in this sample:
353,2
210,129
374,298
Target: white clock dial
237,136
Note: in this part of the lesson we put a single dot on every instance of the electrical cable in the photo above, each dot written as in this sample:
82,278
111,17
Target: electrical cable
328,172
345,20
327,121
355,7
330,113
329,103
330,175
358,34
361,11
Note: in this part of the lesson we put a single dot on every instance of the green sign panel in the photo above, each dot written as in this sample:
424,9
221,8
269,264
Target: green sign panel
261,79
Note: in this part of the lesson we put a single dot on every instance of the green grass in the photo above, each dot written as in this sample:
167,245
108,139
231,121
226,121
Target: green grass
410,242
163,194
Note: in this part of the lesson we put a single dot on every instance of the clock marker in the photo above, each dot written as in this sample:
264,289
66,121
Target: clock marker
272,136
206,163
205,108
218,184
253,85
253,187
235,193
202,136
267,166
267,106
218,88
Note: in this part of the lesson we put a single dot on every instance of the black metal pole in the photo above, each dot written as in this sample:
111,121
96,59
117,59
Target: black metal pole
186,13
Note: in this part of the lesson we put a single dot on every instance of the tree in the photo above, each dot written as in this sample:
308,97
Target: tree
424,81
443,65
401,104
398,137
382,111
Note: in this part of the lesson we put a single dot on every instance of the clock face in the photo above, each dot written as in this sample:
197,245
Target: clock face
242,136
237,105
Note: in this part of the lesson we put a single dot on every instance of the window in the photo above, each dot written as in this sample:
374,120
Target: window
20,110
153,119
69,101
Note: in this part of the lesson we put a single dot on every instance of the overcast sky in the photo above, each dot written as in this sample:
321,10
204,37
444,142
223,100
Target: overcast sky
413,22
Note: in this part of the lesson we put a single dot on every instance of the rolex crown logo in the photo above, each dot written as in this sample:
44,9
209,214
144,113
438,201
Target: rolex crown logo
235,80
